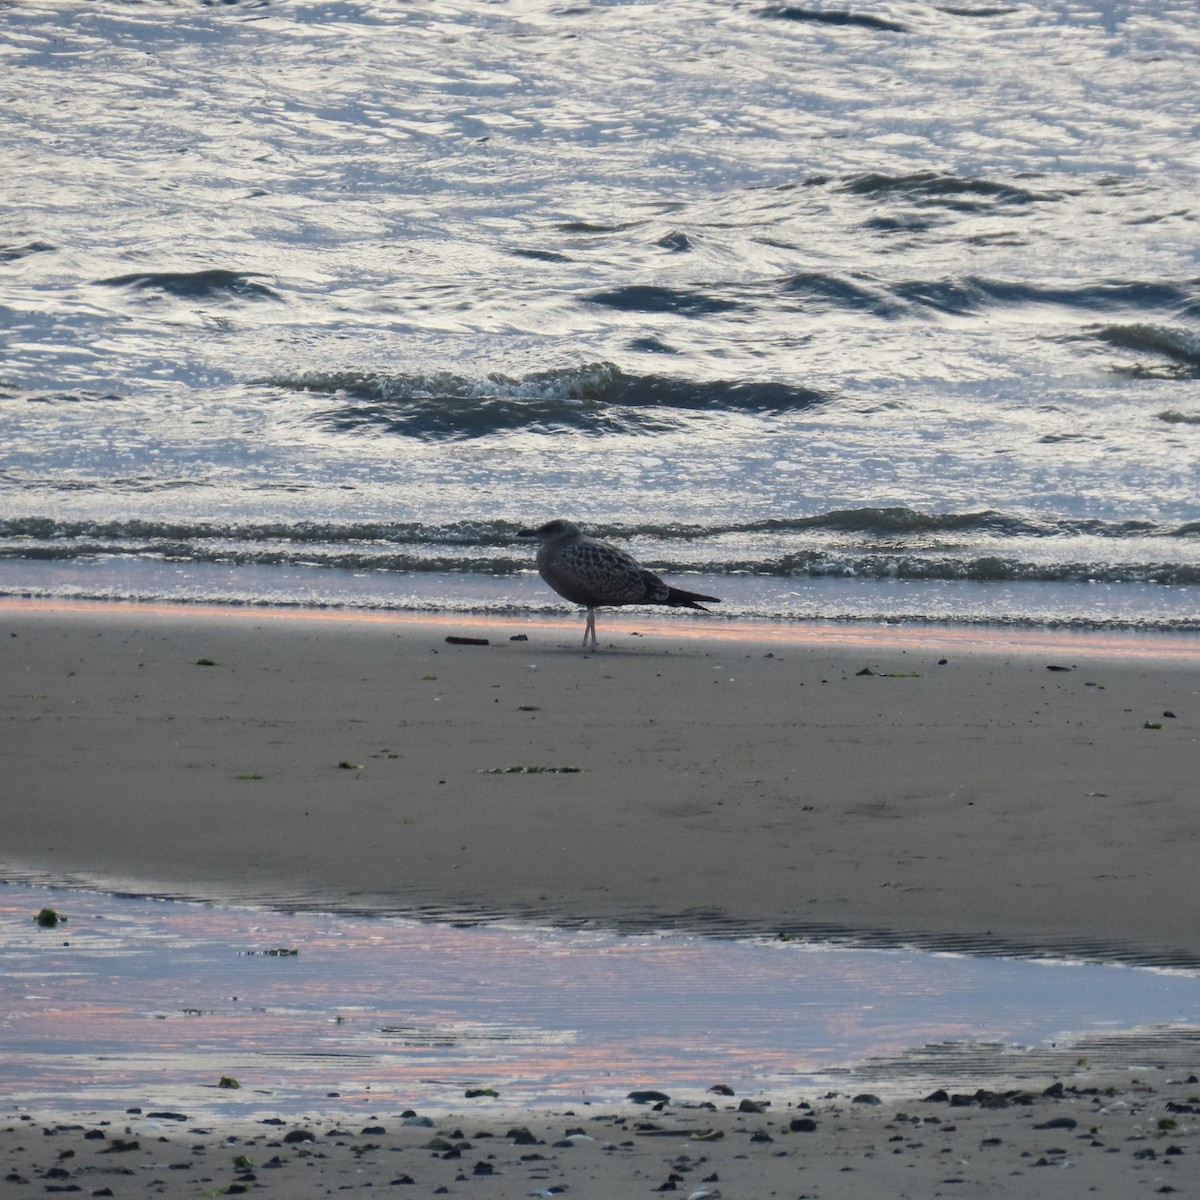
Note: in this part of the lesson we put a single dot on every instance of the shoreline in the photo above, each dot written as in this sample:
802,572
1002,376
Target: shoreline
704,923
967,797
979,634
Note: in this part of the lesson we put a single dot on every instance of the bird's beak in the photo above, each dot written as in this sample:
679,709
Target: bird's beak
526,533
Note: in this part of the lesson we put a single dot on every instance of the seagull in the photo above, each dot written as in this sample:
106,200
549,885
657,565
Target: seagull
590,572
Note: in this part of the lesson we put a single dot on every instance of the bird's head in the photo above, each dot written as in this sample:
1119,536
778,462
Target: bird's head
551,531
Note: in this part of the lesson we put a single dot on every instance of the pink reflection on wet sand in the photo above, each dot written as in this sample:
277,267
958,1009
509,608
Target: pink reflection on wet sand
136,1001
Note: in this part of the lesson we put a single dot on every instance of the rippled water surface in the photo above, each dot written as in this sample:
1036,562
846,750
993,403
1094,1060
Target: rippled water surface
782,296
134,1001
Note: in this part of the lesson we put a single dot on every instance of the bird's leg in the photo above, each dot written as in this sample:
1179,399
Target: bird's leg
590,628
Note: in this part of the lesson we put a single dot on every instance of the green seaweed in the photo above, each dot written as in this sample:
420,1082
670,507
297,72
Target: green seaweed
228,1081
48,918
249,775
347,765
204,662
471,1093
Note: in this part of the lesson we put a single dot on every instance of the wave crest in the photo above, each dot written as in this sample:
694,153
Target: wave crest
595,398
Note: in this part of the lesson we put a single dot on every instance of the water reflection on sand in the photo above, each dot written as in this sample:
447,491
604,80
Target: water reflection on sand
135,1000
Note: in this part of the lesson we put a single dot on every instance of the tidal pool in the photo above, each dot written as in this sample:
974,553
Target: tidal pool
136,1001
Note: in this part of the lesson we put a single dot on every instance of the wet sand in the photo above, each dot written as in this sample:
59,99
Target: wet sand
686,778
962,794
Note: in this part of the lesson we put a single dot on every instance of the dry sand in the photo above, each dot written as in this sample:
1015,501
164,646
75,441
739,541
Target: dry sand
699,776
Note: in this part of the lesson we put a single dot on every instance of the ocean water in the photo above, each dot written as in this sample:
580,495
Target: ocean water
881,312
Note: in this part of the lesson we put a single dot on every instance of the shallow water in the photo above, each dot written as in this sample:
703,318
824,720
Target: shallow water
783,297
150,1002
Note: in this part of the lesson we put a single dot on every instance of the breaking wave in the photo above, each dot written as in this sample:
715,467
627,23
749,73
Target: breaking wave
1174,351
213,283
596,398
869,543
938,187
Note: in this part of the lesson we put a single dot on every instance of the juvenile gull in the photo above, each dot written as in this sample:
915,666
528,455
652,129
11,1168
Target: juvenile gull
590,572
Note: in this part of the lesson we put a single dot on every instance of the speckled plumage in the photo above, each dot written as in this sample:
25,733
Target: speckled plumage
593,573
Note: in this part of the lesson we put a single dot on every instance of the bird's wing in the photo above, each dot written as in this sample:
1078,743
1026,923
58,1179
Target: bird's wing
607,574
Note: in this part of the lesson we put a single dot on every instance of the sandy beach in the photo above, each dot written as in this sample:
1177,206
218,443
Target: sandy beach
902,784
914,785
